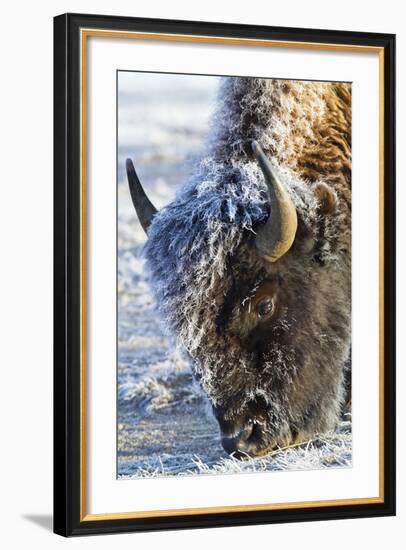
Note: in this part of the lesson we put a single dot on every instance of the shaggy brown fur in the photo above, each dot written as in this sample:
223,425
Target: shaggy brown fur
322,150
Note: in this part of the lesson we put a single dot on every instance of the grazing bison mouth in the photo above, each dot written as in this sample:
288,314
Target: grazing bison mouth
248,434
246,443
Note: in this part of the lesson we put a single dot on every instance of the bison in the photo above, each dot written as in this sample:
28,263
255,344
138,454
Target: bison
250,264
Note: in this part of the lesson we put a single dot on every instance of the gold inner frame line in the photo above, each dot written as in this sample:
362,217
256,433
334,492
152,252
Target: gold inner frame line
84,34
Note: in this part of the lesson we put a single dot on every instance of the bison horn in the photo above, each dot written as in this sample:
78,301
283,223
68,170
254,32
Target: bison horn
143,206
276,236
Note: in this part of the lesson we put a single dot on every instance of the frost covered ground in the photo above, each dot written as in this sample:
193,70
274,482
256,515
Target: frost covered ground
164,423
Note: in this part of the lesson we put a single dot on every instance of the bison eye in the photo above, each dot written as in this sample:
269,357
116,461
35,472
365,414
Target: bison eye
265,307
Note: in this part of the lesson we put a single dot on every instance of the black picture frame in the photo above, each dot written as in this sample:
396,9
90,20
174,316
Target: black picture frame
68,519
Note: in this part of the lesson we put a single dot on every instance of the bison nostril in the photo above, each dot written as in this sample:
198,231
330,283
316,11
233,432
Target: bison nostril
239,444
246,431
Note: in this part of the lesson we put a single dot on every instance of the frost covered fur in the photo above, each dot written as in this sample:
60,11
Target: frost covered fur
285,375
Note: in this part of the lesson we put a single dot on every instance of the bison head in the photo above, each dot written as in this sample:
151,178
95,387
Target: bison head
250,267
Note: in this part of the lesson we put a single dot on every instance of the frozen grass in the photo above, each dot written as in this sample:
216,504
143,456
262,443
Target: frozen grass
326,451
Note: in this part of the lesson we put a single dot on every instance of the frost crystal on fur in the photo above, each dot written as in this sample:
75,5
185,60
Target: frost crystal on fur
204,268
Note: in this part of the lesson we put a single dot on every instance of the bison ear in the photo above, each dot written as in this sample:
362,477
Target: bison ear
326,199
325,229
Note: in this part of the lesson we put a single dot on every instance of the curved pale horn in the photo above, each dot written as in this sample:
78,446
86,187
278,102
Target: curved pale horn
276,236
143,206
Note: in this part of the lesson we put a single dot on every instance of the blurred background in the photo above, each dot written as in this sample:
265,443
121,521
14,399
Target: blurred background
162,125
